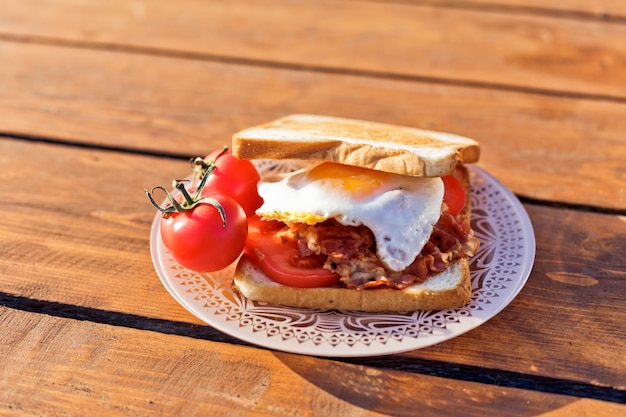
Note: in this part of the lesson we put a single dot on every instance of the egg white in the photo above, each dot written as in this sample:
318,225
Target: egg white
400,213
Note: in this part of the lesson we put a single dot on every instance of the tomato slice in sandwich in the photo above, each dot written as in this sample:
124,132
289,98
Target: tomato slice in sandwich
454,194
280,260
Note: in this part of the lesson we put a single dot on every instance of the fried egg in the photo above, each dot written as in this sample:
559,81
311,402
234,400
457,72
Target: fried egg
400,210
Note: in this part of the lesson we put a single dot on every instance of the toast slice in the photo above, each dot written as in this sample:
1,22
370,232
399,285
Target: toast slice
384,147
448,289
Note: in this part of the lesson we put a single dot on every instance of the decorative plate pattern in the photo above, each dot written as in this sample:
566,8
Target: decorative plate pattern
499,270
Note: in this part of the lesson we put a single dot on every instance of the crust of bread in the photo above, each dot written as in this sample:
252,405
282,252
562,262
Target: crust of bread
384,147
448,289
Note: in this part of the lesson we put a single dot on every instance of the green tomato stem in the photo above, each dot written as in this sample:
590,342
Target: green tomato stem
165,210
201,167
188,200
218,206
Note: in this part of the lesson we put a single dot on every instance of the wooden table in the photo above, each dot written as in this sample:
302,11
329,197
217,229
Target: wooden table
99,100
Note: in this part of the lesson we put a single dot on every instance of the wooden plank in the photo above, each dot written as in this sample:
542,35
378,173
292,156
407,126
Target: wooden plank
468,46
94,254
82,236
54,366
561,149
575,294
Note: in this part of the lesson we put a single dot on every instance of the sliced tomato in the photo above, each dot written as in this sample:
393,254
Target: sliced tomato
280,260
454,194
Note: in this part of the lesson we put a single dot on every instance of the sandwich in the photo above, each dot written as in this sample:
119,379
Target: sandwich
376,220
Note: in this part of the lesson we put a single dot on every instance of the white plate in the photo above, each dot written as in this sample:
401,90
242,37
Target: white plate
499,270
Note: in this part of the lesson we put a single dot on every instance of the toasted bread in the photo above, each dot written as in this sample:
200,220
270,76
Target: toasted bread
384,147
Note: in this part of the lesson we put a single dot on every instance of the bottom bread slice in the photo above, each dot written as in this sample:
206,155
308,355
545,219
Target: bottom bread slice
448,289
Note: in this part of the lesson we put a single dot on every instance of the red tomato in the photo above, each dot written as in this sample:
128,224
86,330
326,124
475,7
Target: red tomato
454,194
198,239
280,259
236,178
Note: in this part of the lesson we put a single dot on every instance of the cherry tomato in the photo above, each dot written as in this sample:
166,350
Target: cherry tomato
236,178
280,260
198,239
454,194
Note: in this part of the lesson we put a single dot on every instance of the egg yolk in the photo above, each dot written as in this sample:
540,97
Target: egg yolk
359,182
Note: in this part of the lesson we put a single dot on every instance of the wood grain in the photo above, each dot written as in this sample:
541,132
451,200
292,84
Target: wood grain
83,228
53,366
95,254
492,48
574,295
561,149
99,100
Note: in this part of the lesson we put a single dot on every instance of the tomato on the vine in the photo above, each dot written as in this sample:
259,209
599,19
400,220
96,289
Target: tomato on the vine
237,178
454,194
203,231
280,260
199,239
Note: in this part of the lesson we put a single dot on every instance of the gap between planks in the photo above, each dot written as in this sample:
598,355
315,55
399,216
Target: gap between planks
185,157
396,362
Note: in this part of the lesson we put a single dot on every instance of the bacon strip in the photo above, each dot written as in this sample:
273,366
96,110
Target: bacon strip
351,252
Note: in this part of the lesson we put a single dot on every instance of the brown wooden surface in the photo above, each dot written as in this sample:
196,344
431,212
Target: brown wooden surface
547,148
578,263
538,52
99,100
88,367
